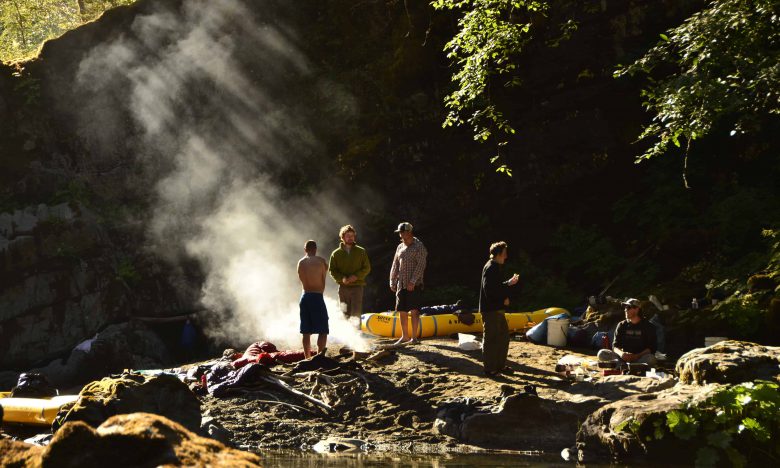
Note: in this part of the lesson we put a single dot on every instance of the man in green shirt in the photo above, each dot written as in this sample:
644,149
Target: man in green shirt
349,267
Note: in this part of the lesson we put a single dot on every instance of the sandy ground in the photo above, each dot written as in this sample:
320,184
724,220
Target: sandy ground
390,403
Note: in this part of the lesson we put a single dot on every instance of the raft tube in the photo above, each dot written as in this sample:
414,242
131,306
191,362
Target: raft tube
387,323
34,411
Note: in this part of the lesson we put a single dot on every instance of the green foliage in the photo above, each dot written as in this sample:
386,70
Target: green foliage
736,424
539,286
726,286
738,216
490,33
51,225
773,266
585,250
629,425
742,313
664,209
28,87
67,253
26,24
127,272
682,425
725,68
75,190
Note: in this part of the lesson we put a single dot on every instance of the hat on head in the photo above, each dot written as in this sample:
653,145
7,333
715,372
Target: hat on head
404,227
631,302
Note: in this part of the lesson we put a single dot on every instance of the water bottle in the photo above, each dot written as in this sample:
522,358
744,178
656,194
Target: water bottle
694,304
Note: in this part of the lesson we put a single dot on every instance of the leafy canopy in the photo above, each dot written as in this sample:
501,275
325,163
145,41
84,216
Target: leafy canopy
722,65
490,33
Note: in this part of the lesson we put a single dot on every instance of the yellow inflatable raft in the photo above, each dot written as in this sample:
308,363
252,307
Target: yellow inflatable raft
34,411
388,324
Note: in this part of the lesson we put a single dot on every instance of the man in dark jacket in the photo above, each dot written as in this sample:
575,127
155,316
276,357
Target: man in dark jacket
493,299
635,338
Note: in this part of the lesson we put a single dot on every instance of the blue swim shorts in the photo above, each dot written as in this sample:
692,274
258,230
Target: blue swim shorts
314,314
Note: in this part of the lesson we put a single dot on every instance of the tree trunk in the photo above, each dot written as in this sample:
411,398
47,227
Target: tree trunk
82,9
20,20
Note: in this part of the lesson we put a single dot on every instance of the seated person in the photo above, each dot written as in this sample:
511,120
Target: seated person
635,339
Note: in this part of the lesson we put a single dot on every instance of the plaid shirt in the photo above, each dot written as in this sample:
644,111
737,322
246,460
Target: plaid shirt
408,265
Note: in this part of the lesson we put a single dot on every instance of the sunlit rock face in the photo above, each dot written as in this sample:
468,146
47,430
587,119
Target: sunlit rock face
729,362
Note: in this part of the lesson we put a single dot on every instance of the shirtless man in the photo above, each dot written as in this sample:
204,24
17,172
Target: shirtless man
314,315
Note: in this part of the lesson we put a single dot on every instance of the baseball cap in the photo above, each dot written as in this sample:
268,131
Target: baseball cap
404,227
631,302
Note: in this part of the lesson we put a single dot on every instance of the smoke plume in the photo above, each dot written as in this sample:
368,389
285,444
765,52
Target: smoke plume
222,105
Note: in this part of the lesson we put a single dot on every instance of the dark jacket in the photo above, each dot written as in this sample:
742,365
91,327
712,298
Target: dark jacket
493,290
635,338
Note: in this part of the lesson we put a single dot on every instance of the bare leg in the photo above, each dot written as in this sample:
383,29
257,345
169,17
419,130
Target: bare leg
307,345
415,322
322,339
403,317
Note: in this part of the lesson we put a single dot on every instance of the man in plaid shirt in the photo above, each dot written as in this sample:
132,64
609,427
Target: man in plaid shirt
406,279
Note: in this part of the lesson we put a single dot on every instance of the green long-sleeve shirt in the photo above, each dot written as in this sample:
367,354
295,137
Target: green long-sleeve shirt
355,262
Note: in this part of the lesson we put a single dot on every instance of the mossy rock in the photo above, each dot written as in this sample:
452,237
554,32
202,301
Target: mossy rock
163,394
138,439
761,282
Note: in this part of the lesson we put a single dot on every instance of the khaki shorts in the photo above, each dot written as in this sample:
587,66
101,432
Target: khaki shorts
351,298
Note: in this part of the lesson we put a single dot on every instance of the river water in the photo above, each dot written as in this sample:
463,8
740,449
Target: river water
298,459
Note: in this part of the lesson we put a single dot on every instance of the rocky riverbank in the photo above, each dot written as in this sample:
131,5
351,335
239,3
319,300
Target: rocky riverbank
433,398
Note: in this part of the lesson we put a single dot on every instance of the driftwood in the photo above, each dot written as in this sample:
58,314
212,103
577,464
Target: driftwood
274,400
285,378
285,386
379,355
295,407
359,376
319,377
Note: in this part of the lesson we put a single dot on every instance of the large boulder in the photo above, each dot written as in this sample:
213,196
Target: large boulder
729,362
603,434
14,453
600,392
139,439
512,424
163,394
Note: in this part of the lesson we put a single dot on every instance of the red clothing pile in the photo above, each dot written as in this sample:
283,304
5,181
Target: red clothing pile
265,353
